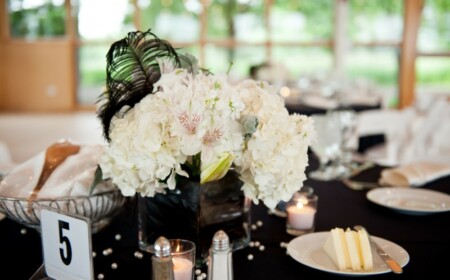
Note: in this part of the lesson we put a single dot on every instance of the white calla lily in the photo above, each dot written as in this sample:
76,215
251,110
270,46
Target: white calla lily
217,169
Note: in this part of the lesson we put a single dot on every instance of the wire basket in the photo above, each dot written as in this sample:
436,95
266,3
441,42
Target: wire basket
100,208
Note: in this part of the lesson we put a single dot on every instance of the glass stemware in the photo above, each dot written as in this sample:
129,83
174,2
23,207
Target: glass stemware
347,122
326,146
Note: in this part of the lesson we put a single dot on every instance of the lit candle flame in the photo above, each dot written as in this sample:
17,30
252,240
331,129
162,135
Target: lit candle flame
178,249
302,201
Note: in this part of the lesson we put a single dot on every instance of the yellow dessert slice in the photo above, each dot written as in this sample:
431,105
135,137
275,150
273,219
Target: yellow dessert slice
354,250
336,248
366,251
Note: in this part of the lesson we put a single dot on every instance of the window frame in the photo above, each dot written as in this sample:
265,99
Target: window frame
407,45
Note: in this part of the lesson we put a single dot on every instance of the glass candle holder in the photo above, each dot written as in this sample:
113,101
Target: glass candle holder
183,258
280,209
301,213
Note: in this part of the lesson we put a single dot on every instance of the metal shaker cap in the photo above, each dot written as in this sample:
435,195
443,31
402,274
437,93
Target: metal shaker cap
221,241
162,247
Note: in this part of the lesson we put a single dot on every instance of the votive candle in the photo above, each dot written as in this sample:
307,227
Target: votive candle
300,216
182,268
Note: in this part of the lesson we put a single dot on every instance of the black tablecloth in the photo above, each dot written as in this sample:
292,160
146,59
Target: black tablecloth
307,110
425,238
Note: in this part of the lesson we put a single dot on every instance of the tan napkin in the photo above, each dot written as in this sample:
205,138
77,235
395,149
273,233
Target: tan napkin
414,174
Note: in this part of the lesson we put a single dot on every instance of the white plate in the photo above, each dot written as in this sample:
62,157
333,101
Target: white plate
307,250
411,201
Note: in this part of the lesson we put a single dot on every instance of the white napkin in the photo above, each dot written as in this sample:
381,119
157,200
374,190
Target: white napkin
73,177
321,102
5,155
362,99
427,135
5,168
392,123
414,175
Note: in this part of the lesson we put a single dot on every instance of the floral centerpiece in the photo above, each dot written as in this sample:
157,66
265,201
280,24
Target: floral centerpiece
166,120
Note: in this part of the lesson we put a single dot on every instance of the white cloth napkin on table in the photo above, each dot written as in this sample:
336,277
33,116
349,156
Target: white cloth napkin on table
320,102
362,99
415,174
73,177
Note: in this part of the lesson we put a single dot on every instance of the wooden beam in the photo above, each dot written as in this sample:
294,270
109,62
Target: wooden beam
434,54
137,18
376,44
203,32
71,37
268,24
3,35
408,51
340,40
4,18
50,63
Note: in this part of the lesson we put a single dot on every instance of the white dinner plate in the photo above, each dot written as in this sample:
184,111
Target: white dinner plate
307,250
411,201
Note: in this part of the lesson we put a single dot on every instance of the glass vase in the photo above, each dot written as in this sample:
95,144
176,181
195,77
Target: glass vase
196,212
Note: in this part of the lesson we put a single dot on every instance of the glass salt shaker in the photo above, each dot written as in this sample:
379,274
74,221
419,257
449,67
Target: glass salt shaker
220,258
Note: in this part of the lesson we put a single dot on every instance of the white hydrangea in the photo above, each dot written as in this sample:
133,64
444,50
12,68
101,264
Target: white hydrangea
274,162
206,115
188,115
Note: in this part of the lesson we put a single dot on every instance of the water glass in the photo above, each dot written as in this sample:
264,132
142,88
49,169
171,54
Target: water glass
327,145
347,120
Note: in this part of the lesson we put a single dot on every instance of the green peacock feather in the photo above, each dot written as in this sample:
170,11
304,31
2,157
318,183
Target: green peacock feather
131,71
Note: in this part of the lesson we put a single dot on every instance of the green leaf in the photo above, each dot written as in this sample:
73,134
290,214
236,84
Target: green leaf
98,178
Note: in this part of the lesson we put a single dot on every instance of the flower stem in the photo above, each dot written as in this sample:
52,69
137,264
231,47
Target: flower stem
196,165
229,67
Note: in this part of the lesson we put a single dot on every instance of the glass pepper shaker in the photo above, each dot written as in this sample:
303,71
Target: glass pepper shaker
162,265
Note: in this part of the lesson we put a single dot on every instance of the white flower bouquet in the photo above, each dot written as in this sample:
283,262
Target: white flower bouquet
164,118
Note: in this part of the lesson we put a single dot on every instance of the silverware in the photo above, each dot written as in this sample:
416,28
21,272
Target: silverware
359,185
393,264
360,168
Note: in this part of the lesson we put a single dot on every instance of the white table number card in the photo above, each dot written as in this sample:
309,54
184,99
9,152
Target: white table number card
66,244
